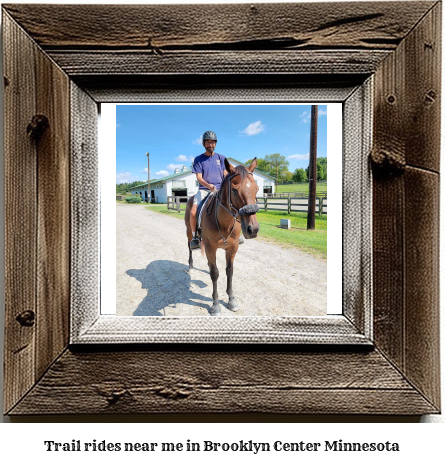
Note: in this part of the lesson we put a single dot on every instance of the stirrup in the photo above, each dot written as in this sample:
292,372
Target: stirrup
195,243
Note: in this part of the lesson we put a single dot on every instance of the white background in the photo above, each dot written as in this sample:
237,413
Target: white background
22,440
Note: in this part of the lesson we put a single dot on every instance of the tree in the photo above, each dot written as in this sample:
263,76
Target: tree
322,169
277,163
285,177
126,186
299,175
322,173
261,165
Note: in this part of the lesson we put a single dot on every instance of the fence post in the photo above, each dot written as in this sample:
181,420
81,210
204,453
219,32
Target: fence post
322,204
265,204
288,205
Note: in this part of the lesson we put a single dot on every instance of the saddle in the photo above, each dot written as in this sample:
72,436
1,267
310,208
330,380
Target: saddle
200,209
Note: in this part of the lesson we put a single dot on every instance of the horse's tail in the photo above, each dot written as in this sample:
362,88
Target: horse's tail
203,249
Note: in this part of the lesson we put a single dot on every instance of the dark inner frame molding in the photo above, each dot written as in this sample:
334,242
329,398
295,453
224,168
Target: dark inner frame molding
60,68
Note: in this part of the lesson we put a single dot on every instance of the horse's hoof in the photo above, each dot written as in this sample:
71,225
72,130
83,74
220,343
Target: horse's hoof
215,310
233,304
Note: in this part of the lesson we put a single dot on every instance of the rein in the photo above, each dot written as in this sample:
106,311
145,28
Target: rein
247,209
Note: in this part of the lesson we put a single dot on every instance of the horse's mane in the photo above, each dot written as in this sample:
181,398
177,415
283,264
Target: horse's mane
240,169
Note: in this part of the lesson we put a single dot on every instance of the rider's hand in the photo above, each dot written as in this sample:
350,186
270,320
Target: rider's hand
213,188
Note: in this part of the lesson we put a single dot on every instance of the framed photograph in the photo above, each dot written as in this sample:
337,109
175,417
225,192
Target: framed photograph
148,262
376,352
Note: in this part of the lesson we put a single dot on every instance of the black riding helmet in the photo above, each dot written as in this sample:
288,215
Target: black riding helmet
209,135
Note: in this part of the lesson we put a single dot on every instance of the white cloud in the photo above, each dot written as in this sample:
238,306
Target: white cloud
198,141
181,158
162,173
306,117
145,170
254,128
172,166
296,156
125,177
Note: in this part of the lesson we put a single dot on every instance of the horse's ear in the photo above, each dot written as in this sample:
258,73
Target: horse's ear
229,168
253,165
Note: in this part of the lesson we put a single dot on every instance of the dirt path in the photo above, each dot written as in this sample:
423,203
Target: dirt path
152,277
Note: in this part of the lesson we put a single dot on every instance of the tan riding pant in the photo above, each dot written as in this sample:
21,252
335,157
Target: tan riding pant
200,195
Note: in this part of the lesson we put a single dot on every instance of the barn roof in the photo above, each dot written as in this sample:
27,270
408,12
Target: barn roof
165,178
171,176
256,170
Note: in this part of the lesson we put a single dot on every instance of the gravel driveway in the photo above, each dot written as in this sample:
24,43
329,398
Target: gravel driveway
152,277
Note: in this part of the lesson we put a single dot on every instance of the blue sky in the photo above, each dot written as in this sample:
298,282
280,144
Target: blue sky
172,135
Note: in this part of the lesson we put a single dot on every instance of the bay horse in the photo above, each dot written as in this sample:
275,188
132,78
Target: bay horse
232,210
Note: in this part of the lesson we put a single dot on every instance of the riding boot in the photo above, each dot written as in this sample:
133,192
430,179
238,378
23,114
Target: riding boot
195,243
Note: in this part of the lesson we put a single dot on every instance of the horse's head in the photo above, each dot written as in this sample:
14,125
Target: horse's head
242,196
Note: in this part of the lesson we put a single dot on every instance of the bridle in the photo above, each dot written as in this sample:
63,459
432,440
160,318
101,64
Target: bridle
248,209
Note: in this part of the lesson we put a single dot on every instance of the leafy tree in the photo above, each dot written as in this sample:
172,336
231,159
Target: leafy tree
262,165
126,186
278,164
322,173
285,177
299,175
322,169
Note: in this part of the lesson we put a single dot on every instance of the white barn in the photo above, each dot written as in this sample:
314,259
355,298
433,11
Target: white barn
183,183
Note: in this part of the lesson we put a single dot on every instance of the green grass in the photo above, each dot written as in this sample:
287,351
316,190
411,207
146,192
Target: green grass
163,209
313,242
124,202
302,187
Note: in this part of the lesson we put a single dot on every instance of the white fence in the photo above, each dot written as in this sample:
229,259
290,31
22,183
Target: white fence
284,204
178,203
292,204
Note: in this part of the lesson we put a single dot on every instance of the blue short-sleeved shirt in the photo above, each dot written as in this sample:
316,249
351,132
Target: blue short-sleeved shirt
212,169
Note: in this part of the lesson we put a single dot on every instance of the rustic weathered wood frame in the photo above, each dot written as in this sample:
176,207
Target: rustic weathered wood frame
77,56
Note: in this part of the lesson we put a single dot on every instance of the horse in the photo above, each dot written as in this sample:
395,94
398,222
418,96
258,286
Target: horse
232,210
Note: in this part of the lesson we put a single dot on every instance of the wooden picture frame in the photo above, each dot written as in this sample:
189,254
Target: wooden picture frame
382,357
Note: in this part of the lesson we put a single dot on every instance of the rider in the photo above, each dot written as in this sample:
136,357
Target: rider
210,172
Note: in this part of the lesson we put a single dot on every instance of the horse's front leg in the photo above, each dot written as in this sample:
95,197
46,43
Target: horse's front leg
230,256
214,274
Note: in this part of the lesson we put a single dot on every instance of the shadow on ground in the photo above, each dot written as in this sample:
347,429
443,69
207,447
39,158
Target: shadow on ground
168,284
